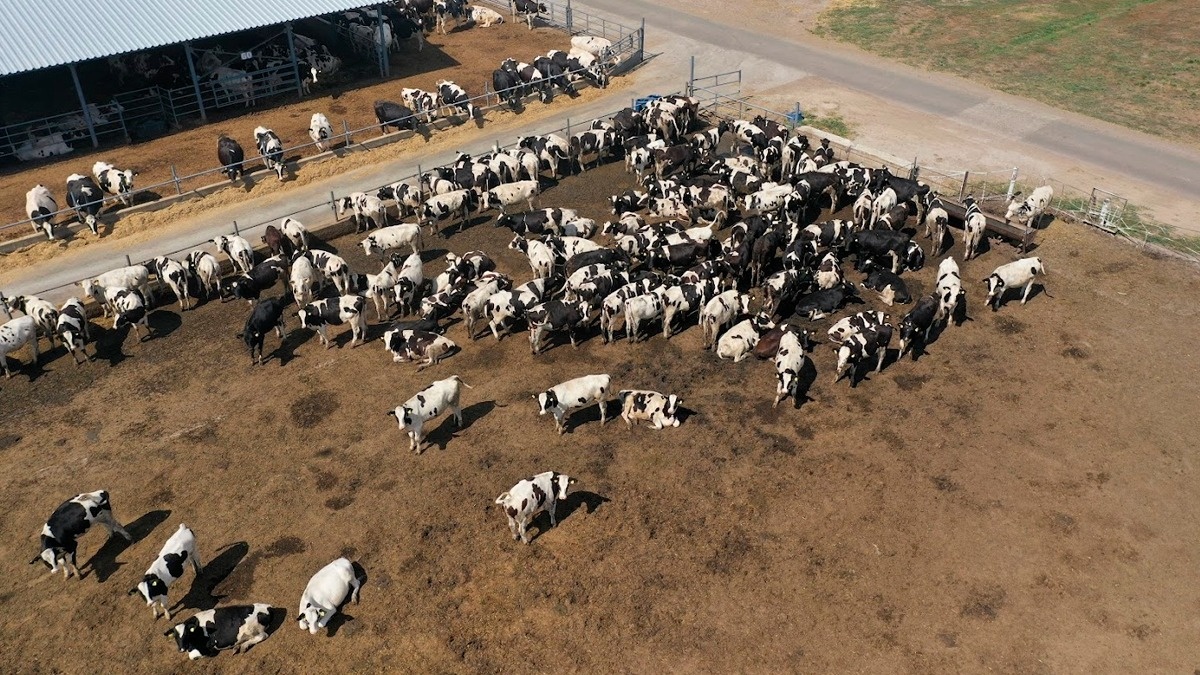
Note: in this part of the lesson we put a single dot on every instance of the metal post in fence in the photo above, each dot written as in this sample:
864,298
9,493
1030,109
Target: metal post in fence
913,170
333,204
121,120
692,77
568,127
962,191
419,174
346,133
1012,184
570,17
642,40
128,261
295,65
175,179
187,51
87,116
236,233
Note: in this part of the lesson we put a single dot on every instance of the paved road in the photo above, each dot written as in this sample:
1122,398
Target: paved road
1146,159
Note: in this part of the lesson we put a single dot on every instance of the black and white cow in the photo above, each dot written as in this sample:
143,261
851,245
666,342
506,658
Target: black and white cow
525,500
204,267
390,114
660,410
261,278
348,309
554,316
175,275
461,203
819,304
271,149
266,315
85,197
598,142
427,404
44,313
918,323
855,351
871,244
538,221
509,87
891,287
73,329
331,587
450,95
529,9
1018,275
413,345
232,157
41,207
573,394
70,521
857,323
237,627
131,309
555,75
974,228
739,342
114,181
179,550
320,130
240,253
14,334
790,362
1031,208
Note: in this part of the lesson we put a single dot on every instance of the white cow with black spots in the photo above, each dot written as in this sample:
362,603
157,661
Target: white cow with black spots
179,550
427,404
580,392
1018,275
530,497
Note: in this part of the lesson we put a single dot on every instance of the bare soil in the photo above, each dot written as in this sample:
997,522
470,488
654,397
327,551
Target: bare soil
465,56
1019,499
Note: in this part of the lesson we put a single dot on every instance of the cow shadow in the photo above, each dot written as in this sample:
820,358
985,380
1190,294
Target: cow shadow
103,563
576,500
278,616
578,418
447,430
163,323
200,596
144,197
804,382
1013,296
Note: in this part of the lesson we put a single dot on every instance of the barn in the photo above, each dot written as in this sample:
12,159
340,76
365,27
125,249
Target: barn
76,74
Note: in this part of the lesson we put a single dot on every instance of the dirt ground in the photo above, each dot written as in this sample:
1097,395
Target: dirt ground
1019,499
465,56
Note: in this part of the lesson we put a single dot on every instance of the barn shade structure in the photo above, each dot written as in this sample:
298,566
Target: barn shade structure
41,34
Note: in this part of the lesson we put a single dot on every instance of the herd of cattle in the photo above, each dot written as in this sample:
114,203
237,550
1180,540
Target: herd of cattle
665,266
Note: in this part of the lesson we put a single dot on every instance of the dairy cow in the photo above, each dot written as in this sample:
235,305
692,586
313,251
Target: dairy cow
573,394
70,521
237,627
660,410
411,345
179,550
347,309
331,587
531,496
427,404
1016,275
41,207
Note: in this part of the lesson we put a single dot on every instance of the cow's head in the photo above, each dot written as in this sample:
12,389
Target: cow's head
671,409
341,206
403,415
152,588
312,619
562,483
547,401
995,286
191,639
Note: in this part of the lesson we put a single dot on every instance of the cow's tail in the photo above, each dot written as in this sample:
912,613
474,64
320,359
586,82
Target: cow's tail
458,379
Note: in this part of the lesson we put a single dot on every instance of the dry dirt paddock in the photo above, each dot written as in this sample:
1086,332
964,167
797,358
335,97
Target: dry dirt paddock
1020,499
467,56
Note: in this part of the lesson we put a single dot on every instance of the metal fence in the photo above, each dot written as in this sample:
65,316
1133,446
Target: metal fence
244,229
1093,206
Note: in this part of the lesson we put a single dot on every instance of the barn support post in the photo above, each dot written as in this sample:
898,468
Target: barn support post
1012,185
692,77
175,179
128,261
87,116
382,48
962,191
295,64
236,233
642,40
570,18
187,51
333,204
346,133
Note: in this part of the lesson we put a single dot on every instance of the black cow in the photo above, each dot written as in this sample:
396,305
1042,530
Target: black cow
890,286
870,244
278,242
231,156
854,352
628,201
672,159
537,222
762,254
555,75
605,256
918,323
685,255
391,114
819,304
261,277
70,521
423,325
509,87
267,314
554,316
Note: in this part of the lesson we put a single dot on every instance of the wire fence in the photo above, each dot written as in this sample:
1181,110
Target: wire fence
992,188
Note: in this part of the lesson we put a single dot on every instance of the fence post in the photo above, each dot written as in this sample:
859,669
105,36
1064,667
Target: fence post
235,229
1012,184
121,119
295,65
568,128
692,77
175,178
4,305
333,204
913,170
419,174
128,261
962,191
570,18
346,133
642,40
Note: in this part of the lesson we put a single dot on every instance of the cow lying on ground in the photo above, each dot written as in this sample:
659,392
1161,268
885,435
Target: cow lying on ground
658,409
331,587
239,627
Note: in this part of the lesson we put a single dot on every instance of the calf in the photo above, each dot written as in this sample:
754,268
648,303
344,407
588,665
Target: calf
85,197
411,345
859,347
891,287
239,627
335,312
850,325
73,329
1019,274
975,226
1031,208
232,157
580,392
554,316
167,569
789,363
658,409
271,150
41,207
426,405
739,341
267,314
531,496
331,587
720,312
15,334
114,181
238,249
70,521
918,322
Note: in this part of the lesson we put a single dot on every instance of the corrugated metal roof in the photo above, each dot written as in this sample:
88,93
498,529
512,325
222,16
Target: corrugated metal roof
42,33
